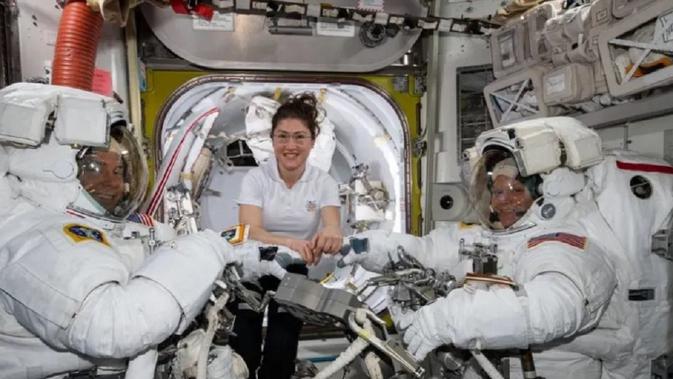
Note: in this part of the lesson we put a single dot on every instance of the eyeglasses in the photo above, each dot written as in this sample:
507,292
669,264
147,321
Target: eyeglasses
299,138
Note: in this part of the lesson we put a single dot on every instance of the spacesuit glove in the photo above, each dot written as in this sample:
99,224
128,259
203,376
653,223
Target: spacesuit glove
380,249
223,248
402,317
253,266
428,331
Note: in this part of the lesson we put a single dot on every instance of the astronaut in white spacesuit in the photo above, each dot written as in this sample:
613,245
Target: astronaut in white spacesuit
529,185
73,290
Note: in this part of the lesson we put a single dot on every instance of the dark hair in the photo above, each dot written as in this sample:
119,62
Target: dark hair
303,107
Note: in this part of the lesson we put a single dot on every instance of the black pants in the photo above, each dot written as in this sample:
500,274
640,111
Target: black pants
282,335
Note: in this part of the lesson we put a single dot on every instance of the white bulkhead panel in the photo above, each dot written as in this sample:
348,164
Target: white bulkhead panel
368,129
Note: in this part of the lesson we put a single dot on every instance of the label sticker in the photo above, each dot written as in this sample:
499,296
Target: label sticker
223,22
665,27
555,84
335,29
371,5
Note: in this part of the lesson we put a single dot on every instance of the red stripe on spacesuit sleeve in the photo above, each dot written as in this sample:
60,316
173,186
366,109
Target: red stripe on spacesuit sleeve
645,167
566,238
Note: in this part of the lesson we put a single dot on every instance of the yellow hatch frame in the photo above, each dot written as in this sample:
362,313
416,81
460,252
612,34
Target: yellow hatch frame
160,84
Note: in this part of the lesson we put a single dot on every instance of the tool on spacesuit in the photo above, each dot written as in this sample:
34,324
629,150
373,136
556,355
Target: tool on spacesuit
484,258
413,285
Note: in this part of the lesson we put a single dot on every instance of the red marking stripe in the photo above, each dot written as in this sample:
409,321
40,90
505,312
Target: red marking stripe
158,194
645,167
567,238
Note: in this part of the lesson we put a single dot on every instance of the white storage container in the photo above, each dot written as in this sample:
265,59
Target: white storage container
507,49
600,14
536,19
637,52
599,18
518,96
568,84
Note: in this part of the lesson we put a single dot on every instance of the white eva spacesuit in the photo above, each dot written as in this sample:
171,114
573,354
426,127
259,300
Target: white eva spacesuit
559,238
73,290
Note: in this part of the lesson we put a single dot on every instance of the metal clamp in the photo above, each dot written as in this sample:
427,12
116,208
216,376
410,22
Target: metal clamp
393,350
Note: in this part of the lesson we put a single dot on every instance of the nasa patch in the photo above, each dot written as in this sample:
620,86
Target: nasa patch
80,233
311,206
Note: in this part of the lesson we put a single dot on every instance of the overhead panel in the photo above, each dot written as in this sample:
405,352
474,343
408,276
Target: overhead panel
237,41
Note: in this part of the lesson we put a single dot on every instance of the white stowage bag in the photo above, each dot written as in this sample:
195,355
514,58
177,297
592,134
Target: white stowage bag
223,362
226,364
258,128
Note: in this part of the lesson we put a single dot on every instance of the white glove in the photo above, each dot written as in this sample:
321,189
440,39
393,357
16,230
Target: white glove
248,255
402,317
427,331
379,251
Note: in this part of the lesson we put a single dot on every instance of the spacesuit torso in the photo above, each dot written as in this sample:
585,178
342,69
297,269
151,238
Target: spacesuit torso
563,249
40,265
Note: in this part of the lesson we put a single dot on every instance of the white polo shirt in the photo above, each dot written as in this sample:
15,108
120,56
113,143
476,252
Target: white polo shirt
295,211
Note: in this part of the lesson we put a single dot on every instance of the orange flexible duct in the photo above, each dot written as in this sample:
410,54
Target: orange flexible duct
75,54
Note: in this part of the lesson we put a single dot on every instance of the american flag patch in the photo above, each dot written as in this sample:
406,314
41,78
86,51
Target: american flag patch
141,218
567,238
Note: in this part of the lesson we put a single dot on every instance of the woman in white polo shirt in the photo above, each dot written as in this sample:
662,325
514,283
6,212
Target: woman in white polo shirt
286,202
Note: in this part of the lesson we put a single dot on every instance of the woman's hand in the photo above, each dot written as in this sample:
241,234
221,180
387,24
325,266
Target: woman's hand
328,240
305,249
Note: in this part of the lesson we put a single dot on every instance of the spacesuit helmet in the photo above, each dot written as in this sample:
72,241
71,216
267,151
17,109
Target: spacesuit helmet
516,171
500,194
69,149
113,177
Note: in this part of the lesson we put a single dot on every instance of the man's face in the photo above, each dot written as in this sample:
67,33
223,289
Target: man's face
102,176
510,200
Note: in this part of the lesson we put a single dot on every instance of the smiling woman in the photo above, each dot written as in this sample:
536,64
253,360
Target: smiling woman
285,201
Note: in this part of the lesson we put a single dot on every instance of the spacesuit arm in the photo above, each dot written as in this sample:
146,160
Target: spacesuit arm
142,314
563,292
548,307
166,293
438,249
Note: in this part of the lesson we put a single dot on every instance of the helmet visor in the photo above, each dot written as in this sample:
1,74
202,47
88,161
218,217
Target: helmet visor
116,176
